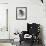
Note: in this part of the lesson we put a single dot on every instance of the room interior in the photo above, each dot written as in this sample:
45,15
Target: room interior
13,27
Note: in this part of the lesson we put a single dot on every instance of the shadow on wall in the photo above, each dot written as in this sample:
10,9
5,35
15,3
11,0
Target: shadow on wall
41,34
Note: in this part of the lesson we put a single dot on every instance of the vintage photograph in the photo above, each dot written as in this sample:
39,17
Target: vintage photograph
22,22
21,13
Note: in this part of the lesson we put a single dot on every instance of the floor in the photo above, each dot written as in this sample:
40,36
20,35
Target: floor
5,44
28,44
22,44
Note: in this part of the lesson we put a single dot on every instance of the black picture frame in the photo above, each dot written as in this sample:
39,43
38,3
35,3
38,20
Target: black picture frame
21,13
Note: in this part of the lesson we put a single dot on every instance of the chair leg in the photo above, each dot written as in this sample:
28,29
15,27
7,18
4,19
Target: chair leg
20,42
32,42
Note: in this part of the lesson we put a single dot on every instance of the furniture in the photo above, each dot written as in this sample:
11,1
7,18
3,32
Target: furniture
33,30
16,39
42,1
27,36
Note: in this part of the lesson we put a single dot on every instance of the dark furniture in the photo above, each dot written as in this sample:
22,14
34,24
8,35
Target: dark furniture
33,30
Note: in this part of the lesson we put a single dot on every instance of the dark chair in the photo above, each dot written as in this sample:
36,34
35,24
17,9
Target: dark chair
32,29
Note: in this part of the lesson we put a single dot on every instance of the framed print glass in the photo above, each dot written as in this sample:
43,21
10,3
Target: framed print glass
21,13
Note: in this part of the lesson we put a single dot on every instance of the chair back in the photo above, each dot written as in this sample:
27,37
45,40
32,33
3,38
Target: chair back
33,28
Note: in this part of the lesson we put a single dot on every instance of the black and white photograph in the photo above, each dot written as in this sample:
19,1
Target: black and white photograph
21,13
22,22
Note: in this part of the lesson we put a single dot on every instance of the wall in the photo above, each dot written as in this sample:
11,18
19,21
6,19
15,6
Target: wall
3,21
3,1
4,34
35,13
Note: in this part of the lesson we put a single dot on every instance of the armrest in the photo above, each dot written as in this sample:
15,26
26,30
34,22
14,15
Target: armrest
24,32
22,35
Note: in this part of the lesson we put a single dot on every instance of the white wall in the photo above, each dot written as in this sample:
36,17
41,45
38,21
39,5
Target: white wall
3,21
35,13
3,1
4,34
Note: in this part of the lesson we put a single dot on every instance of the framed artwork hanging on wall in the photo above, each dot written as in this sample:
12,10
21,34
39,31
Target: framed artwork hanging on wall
21,13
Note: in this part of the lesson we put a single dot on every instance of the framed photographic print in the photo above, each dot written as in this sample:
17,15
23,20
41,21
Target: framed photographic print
21,13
